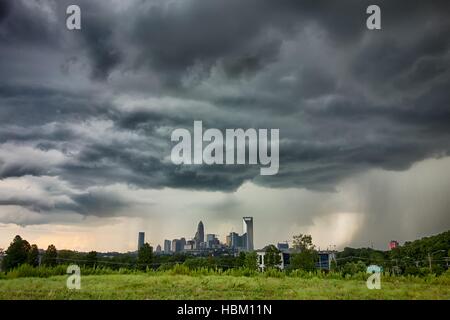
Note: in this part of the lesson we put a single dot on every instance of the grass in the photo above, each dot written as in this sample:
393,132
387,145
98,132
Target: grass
181,286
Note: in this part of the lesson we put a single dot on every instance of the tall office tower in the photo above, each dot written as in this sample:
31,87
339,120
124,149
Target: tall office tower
228,240
175,244
179,248
210,240
158,249
166,246
141,239
248,229
182,243
199,235
235,240
189,245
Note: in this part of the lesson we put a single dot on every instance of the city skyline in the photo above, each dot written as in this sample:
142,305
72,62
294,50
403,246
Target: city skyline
86,118
167,245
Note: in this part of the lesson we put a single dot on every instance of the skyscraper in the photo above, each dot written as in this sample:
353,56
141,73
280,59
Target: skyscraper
141,239
248,229
166,246
175,245
228,240
212,241
182,243
236,241
199,235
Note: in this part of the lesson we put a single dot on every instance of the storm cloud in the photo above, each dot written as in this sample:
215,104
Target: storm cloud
95,108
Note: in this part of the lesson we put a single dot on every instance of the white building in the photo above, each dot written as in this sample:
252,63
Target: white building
261,263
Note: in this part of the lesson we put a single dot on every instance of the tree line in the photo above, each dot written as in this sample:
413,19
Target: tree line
419,257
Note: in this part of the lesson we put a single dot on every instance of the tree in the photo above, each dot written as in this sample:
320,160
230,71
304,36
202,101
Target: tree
305,260
91,259
251,260
272,257
145,256
302,242
33,256
196,263
240,260
352,268
306,256
17,253
50,256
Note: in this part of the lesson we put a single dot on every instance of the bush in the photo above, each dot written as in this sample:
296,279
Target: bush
241,272
196,263
180,269
274,273
352,268
25,270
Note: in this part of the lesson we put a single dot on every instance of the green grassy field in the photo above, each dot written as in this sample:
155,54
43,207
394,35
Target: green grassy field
142,286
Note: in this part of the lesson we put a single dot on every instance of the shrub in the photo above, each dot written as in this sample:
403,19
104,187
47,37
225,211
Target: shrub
180,269
274,273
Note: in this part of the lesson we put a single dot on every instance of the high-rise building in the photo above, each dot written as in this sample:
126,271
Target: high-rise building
175,245
228,240
189,245
182,243
248,229
158,249
141,240
199,236
166,246
235,241
212,241
243,242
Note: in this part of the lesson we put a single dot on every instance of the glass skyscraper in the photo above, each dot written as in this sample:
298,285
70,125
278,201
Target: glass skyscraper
248,230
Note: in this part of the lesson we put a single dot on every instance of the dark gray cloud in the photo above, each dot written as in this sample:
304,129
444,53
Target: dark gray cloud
104,99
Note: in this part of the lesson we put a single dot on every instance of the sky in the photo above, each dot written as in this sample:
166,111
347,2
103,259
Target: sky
86,118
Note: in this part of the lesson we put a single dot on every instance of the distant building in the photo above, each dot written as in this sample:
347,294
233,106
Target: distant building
284,260
393,244
190,244
199,237
158,249
283,246
248,230
228,241
236,241
141,240
212,241
182,243
166,246
178,245
325,259
174,245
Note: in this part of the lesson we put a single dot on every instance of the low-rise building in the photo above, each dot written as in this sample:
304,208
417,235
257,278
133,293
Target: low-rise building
325,260
261,255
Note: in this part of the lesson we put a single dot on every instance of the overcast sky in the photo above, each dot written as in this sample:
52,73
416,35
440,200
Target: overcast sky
86,118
